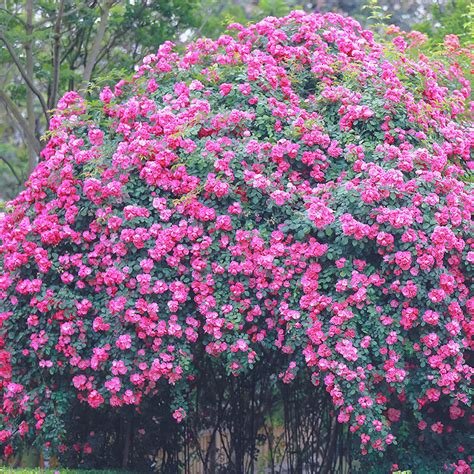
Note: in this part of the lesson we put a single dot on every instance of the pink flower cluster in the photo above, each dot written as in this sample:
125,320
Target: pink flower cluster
284,189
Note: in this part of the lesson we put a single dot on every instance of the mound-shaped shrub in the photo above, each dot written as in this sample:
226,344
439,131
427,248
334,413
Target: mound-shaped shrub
295,191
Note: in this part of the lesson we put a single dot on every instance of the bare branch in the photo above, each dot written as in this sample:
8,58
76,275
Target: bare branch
44,22
14,173
24,75
13,16
78,38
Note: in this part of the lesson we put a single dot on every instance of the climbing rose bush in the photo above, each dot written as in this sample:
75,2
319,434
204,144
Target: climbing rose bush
293,187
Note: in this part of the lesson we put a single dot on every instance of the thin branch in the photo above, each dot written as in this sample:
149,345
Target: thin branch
13,16
12,170
46,20
33,143
77,40
82,49
25,77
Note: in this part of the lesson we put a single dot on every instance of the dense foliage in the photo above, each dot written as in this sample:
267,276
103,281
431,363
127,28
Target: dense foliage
294,193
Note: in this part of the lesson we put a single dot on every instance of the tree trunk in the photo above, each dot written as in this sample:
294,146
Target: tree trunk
30,112
56,57
29,136
94,52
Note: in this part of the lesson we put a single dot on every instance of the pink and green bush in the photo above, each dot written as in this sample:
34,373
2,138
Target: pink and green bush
294,188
